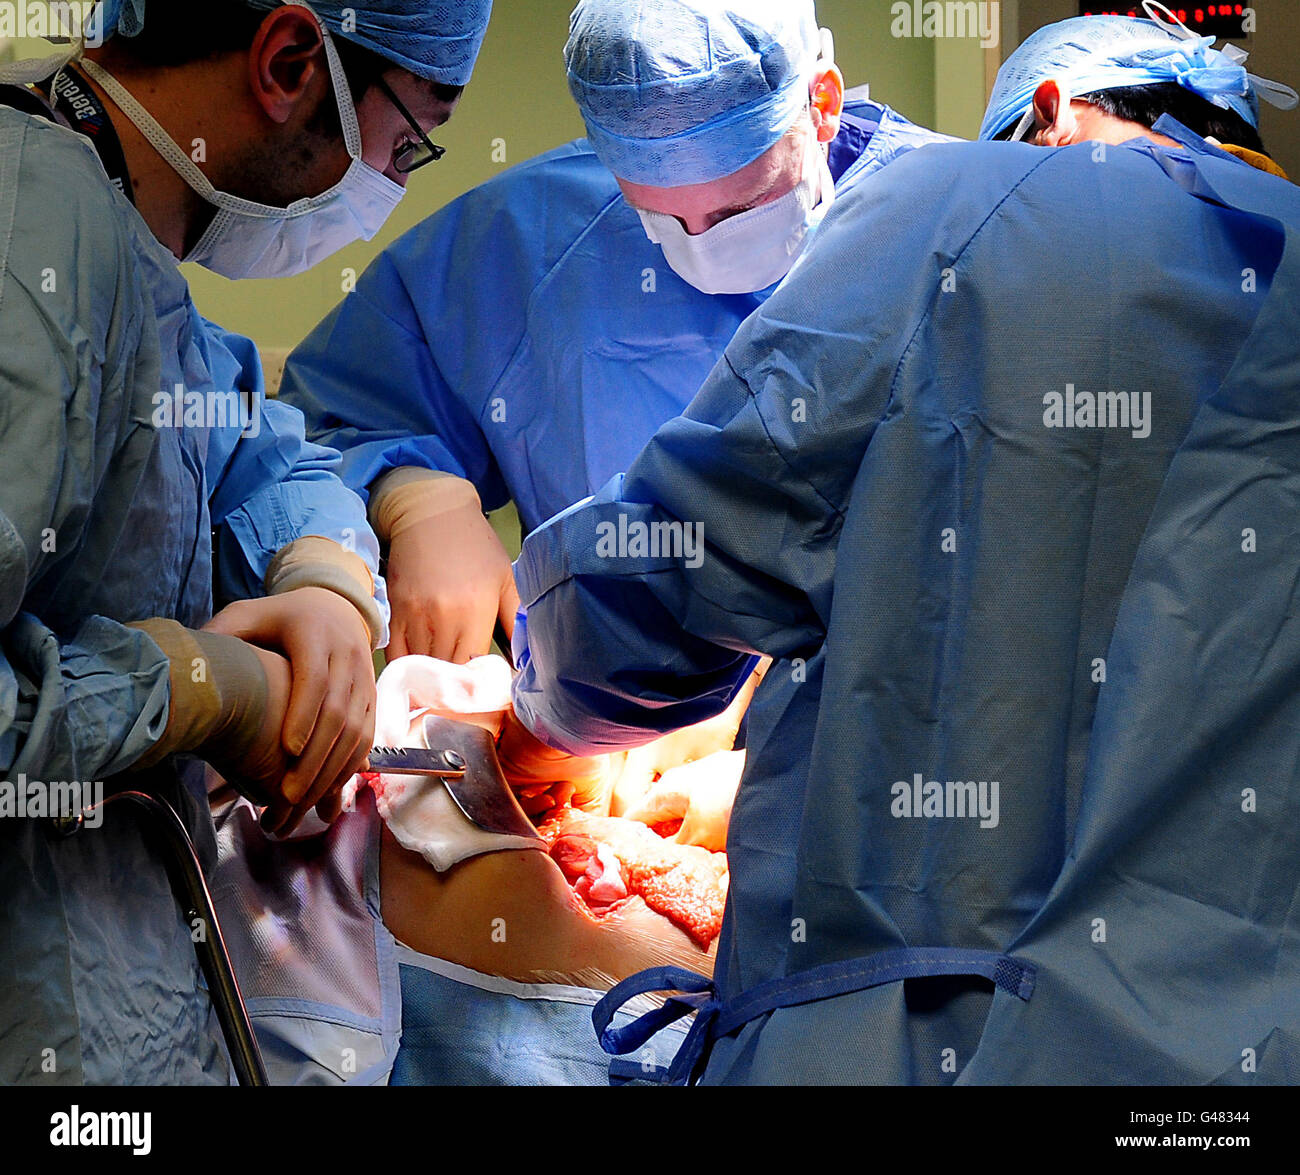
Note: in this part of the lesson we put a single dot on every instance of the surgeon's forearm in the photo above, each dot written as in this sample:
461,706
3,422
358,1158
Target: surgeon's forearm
88,703
218,692
323,563
408,496
595,696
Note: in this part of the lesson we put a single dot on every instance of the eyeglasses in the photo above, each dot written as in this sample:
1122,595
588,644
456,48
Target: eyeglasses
415,155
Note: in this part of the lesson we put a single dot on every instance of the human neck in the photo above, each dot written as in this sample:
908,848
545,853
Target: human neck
1096,125
174,212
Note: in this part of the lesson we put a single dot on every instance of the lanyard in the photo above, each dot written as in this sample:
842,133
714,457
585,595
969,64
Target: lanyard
80,106
77,106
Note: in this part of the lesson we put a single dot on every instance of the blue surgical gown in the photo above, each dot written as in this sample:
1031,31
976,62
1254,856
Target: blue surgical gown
106,519
529,337
963,584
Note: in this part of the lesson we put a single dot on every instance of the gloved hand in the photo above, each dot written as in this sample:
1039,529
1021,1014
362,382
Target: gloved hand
329,719
646,764
258,768
228,705
323,563
449,577
700,794
545,779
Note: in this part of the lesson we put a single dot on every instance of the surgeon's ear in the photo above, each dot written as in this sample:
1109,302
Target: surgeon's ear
827,102
286,57
1054,116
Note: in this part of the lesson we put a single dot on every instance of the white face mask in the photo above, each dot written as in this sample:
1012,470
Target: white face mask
752,250
247,239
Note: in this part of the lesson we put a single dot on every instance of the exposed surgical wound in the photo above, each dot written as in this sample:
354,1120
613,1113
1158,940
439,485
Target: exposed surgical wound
419,811
617,867
609,859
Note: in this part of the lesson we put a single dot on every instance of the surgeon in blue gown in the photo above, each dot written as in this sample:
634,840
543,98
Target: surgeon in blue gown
123,519
525,342
1004,479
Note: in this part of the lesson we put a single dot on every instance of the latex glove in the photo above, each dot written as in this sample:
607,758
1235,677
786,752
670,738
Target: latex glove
699,794
329,721
449,577
323,563
227,706
257,770
545,779
646,764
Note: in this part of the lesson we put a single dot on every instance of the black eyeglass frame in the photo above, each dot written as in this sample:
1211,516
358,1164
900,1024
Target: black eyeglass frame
434,152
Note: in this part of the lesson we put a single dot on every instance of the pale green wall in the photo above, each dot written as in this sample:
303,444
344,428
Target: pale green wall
960,95
518,96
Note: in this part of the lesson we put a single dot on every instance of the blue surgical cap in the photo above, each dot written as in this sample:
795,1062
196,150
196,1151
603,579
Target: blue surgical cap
1089,54
678,92
124,17
434,40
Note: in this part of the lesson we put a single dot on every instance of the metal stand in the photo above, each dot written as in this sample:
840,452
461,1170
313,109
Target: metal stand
185,874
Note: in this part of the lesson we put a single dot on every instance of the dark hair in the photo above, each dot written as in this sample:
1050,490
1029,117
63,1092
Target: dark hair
1145,104
180,33
197,30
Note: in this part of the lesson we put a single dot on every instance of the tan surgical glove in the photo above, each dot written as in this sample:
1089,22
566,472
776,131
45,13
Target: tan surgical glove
645,765
323,563
449,577
545,780
700,794
222,706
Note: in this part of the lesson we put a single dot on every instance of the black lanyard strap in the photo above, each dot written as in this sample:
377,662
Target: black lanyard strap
86,114
78,106
21,98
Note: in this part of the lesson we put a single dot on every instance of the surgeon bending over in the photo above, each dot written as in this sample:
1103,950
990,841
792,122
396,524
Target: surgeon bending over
536,332
971,591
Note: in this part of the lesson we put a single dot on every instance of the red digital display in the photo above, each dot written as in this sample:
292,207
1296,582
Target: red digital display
1225,21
